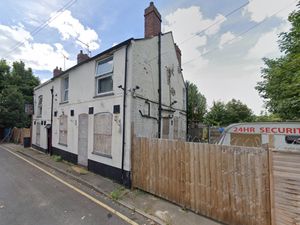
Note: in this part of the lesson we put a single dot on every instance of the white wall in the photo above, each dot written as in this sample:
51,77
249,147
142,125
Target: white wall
145,73
142,71
82,90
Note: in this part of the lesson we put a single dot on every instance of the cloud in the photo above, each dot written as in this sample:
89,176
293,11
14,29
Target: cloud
262,9
226,38
188,34
38,56
180,22
10,36
70,27
267,44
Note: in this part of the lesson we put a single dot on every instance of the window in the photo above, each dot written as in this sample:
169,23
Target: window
40,106
65,89
292,139
104,72
103,133
63,130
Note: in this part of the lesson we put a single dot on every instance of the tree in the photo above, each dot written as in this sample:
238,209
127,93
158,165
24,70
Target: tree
280,86
12,108
4,73
16,85
234,111
238,112
217,114
196,103
265,117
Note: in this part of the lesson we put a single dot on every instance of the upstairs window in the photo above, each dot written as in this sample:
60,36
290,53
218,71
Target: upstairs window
40,106
104,72
65,89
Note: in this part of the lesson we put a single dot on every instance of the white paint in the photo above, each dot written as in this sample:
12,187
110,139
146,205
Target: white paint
142,71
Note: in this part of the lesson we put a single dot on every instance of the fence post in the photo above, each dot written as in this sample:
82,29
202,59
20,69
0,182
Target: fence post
271,182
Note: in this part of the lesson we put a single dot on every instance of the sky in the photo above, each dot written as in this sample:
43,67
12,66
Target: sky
222,42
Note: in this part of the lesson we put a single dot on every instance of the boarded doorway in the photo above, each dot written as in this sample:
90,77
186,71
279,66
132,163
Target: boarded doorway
83,139
38,133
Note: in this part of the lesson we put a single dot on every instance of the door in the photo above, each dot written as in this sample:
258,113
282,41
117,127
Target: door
38,134
49,140
83,139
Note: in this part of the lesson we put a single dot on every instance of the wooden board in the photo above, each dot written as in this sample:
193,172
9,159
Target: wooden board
227,183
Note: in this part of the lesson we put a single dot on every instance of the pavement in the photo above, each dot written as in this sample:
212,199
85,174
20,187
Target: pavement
155,209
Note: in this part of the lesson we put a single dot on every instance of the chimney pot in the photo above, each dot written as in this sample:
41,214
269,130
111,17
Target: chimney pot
56,71
81,57
152,21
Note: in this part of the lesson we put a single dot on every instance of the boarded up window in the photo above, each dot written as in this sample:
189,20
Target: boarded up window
175,134
38,133
63,130
103,133
166,127
249,140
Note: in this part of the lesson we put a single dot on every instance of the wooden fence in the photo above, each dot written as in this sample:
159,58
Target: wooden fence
19,133
285,186
227,183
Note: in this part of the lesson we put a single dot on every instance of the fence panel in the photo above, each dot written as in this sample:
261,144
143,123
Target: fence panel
285,183
227,183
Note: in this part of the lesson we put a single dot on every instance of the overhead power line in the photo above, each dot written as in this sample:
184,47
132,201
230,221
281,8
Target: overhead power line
242,33
44,24
215,23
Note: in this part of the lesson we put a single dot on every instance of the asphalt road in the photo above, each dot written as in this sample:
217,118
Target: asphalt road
30,197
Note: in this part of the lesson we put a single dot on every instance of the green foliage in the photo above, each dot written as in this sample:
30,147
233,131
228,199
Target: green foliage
196,103
117,193
234,111
265,117
56,158
16,89
280,86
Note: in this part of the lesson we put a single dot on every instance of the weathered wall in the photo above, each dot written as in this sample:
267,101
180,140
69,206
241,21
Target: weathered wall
82,91
145,72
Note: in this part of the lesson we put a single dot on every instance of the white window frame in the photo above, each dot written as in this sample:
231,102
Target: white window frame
101,76
40,106
65,90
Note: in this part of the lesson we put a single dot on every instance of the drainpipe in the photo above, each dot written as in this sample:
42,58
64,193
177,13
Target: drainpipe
51,118
159,85
124,113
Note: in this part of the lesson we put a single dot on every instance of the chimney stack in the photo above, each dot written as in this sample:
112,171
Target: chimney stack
81,57
178,53
152,21
57,71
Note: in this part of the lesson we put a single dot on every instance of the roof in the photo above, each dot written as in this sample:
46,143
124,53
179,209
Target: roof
127,42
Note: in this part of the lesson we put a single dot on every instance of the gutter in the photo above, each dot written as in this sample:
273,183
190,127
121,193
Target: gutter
159,85
124,112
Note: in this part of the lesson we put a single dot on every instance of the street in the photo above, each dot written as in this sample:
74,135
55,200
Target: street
30,196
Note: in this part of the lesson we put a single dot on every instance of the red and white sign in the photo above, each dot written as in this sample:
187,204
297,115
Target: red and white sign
266,130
